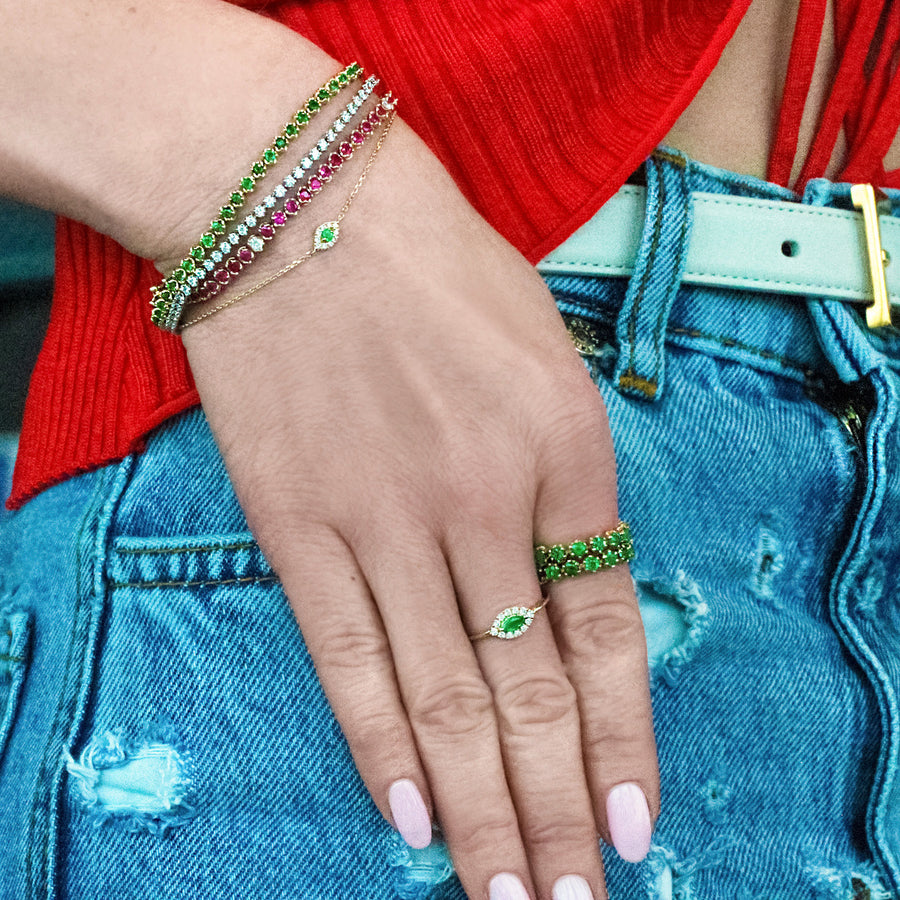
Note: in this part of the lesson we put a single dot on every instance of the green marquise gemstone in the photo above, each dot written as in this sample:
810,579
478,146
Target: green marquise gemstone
227,212
578,548
571,568
302,118
558,552
270,156
591,564
208,239
552,573
259,168
237,198
291,130
218,226
512,623
312,105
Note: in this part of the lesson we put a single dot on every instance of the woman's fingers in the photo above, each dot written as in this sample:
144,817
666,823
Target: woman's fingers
536,709
345,637
600,636
450,708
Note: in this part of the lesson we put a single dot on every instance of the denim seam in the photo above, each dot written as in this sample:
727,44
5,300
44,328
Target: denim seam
629,377
868,661
740,345
840,339
153,584
666,308
246,545
673,158
581,312
31,852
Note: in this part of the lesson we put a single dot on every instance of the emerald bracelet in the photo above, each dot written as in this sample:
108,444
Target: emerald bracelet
218,227
168,303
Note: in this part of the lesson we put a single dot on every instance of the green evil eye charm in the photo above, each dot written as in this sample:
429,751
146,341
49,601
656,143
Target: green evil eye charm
326,235
512,622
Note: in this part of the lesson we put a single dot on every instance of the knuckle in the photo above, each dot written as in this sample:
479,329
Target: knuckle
607,747
600,628
376,735
535,701
565,837
485,838
352,650
452,707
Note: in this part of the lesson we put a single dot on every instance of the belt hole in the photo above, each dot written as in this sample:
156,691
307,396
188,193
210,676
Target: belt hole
790,248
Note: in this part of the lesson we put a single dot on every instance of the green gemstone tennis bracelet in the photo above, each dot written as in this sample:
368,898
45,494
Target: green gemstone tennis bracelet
217,228
602,551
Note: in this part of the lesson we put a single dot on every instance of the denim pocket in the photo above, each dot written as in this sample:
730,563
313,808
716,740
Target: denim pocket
208,738
15,637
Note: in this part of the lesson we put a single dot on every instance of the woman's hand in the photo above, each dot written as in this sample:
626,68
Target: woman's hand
403,417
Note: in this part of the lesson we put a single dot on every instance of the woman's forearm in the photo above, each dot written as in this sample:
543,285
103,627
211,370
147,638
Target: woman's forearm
138,117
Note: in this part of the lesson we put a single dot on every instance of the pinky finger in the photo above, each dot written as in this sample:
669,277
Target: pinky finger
345,638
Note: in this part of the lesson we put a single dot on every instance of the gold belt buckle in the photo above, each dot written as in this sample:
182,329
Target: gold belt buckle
878,312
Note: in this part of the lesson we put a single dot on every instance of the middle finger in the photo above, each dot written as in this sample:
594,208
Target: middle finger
537,712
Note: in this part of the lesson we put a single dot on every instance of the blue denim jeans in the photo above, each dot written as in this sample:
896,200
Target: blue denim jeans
163,734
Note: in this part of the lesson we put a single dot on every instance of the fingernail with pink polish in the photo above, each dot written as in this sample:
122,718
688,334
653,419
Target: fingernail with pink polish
628,817
572,887
507,887
410,813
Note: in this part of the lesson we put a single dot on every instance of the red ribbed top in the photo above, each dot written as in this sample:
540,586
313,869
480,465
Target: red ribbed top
538,110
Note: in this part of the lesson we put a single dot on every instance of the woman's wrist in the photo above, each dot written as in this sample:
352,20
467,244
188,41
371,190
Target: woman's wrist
155,112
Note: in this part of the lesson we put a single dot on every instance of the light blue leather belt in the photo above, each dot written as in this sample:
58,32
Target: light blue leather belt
759,245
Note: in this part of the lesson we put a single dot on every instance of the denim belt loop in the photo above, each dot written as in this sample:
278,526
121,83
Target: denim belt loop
642,320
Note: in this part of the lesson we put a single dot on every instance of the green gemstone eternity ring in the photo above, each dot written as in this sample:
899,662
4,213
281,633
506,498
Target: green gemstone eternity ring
557,561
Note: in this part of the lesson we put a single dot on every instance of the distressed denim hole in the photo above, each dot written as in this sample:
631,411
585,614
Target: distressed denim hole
850,882
420,871
717,796
770,563
672,878
675,618
142,784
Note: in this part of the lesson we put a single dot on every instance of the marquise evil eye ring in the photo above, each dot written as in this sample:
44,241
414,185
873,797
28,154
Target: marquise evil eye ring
558,561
